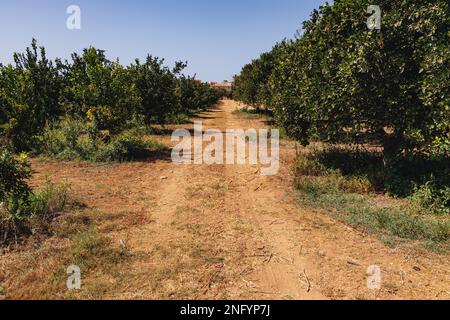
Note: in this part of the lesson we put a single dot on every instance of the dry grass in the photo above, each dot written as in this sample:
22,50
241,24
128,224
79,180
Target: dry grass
38,269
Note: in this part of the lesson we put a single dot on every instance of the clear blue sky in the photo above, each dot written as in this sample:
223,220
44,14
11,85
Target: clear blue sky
216,37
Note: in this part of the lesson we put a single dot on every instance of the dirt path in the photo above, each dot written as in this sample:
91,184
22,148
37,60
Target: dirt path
211,232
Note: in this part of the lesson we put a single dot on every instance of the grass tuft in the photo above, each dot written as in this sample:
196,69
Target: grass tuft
91,251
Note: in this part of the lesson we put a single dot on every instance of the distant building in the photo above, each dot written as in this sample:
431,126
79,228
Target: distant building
221,85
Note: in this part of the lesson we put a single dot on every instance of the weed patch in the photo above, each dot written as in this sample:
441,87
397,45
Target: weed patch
75,140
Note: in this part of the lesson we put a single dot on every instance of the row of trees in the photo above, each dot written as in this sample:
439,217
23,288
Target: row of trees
338,81
35,91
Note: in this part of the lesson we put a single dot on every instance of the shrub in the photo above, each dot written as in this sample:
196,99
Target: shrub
75,140
127,147
424,180
50,200
342,181
307,165
14,194
47,204
60,140
21,210
430,198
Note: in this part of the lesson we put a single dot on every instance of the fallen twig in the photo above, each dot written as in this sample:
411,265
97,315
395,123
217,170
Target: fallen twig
402,277
276,222
308,289
353,262
259,187
269,258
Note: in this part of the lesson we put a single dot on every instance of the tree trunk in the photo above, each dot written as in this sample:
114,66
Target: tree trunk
392,148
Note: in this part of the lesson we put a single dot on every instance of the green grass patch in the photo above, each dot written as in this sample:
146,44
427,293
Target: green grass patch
92,251
396,221
96,255
250,113
352,199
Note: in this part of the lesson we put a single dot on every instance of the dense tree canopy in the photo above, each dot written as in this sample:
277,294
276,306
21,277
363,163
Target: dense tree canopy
29,95
340,81
101,89
35,92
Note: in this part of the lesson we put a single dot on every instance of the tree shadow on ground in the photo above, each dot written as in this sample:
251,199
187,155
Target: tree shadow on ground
399,178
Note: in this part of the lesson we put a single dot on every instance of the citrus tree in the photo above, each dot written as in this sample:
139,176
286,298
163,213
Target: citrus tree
29,96
341,82
99,90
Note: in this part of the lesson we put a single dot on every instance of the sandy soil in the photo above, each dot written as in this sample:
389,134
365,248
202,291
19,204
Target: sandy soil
227,232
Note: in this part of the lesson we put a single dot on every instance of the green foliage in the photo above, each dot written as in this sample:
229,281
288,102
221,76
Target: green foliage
62,140
101,90
341,82
14,190
21,209
127,147
97,92
434,198
156,86
424,180
196,96
314,176
76,140
251,86
50,200
29,96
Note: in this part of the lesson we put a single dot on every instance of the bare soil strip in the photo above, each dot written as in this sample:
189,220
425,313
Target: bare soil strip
222,232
